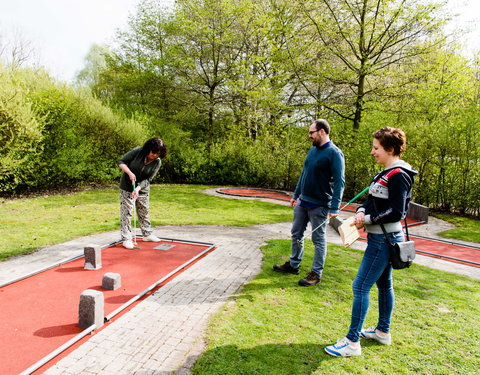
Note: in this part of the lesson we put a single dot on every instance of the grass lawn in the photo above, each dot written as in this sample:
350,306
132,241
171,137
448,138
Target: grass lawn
29,223
467,229
275,327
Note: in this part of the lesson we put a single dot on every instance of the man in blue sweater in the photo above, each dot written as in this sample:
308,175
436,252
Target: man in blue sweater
317,196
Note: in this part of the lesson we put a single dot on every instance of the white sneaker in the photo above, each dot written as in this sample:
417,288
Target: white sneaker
371,334
128,244
343,348
151,238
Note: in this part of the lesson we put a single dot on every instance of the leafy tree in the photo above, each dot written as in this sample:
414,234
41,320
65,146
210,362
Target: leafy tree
366,38
138,76
207,51
95,63
439,110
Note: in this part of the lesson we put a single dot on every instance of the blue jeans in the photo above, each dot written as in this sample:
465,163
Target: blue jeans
301,217
375,268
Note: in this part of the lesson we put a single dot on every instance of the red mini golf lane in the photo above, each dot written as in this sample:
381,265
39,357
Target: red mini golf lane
453,252
256,193
40,313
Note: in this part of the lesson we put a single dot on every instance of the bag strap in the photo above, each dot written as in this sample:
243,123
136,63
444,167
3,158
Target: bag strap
406,228
383,228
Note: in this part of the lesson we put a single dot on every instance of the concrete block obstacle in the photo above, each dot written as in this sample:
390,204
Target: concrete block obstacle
91,309
418,212
335,222
111,281
93,257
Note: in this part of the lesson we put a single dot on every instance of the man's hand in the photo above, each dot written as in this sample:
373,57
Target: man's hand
293,202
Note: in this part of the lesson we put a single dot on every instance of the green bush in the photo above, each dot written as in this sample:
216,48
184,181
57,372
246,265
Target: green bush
59,137
263,162
20,133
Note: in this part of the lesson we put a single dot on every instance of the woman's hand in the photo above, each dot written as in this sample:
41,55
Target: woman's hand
359,220
136,192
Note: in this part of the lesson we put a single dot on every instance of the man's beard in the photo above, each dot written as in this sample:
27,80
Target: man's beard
316,143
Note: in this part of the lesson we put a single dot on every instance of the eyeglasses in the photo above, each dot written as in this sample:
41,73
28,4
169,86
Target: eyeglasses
311,132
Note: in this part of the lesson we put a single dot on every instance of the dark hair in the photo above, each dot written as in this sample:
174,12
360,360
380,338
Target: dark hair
322,124
156,146
392,139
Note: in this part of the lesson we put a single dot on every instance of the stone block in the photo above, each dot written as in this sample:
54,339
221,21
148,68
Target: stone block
418,212
335,223
111,281
91,309
93,257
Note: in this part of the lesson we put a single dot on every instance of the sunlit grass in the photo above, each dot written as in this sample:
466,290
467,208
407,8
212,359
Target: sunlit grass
466,229
29,223
273,326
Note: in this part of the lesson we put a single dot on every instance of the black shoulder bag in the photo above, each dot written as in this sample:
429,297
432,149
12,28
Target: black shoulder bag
402,254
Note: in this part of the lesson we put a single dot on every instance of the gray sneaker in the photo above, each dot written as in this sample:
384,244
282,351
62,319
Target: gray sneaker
371,334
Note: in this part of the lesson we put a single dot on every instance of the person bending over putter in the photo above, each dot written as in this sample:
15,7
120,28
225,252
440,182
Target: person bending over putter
139,165
387,203
317,196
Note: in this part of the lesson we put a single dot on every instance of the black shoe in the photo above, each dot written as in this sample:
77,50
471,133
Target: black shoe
286,268
311,279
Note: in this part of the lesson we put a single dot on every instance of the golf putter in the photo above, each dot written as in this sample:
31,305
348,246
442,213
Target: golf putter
135,243
346,204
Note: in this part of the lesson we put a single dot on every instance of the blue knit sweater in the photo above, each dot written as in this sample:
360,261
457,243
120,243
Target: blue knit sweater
323,177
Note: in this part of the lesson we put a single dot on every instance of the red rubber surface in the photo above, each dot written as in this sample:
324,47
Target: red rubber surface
431,245
256,193
40,313
443,249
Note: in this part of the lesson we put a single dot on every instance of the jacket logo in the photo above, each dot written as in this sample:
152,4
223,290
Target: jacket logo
379,188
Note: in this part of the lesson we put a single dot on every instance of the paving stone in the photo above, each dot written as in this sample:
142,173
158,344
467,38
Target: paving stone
91,309
93,257
111,281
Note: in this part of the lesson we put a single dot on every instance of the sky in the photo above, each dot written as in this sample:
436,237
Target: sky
61,32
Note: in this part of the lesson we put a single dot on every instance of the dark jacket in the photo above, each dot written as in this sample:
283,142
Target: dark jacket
135,160
389,196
